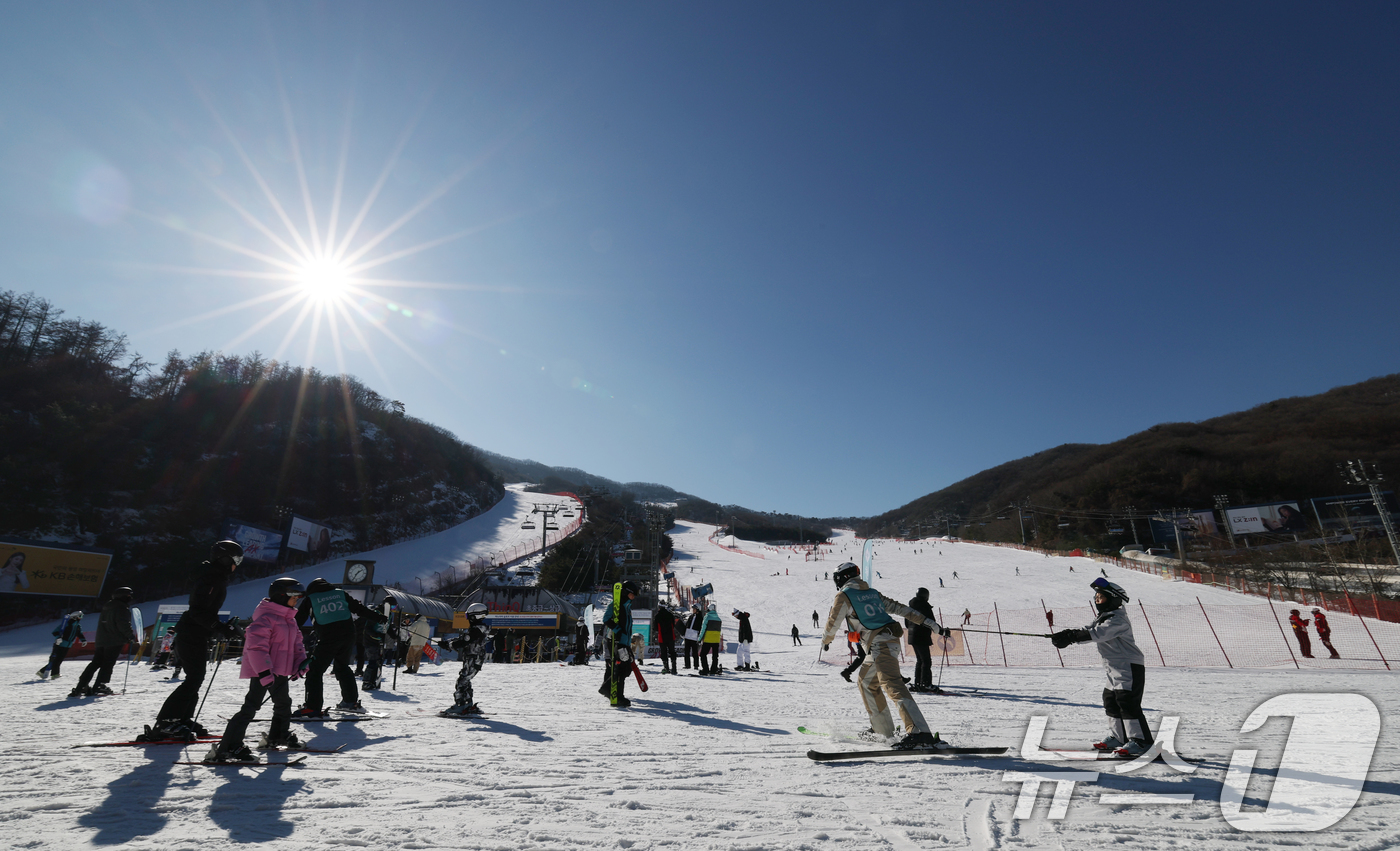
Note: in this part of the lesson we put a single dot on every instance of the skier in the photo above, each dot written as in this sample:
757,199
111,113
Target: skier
330,609
796,638
921,639
70,629
375,633
273,654
1324,634
967,616
471,648
692,637
863,609
815,618
665,621
165,649
1300,630
619,666
1112,632
857,658
710,640
743,657
196,626
113,631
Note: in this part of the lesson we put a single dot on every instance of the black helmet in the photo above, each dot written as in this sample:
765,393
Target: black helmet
1111,590
319,584
630,587
845,573
225,552
922,594
122,593
477,612
282,590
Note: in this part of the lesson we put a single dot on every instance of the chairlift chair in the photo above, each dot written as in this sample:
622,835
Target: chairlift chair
528,524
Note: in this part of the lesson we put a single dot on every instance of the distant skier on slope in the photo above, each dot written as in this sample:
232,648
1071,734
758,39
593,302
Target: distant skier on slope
1112,633
859,607
1324,634
471,647
68,631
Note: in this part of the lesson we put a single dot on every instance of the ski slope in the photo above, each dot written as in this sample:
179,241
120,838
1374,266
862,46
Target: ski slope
697,763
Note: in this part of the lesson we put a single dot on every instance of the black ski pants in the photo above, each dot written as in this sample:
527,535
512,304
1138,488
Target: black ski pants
56,657
334,653
923,665
103,658
617,671
692,653
712,651
281,713
192,649
668,654
1127,704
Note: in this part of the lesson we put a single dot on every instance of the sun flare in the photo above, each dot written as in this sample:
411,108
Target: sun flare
324,280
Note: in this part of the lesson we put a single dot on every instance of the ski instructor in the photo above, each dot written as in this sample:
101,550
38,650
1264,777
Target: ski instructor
862,609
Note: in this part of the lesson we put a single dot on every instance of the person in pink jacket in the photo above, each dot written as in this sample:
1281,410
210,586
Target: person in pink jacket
273,654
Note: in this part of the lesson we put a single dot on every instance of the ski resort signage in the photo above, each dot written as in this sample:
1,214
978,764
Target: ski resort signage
530,620
1274,517
34,567
309,537
258,544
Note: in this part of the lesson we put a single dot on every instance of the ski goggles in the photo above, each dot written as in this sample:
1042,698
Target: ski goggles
1101,584
237,560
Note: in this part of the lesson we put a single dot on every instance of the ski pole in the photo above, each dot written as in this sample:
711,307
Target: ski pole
218,660
1001,632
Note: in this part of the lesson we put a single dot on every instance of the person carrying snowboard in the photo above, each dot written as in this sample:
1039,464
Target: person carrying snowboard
619,667
860,608
68,631
273,655
114,631
1112,633
471,649
330,609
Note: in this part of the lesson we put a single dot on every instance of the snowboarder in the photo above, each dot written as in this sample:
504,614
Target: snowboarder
70,629
710,640
1324,634
199,623
273,655
330,609
967,616
921,639
619,667
1300,631
863,609
665,622
1112,632
113,632
796,637
471,648
743,656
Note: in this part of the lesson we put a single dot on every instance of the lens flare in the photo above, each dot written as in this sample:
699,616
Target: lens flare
324,280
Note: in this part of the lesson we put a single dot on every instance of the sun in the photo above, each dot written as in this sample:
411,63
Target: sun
324,280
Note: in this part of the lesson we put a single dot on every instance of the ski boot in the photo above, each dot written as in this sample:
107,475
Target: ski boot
194,727
219,753
101,690
167,730
1110,744
289,742
347,706
456,711
43,673
622,703
80,690
1132,749
310,712
919,741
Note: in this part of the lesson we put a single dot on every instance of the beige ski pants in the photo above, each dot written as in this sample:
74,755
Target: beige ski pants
880,676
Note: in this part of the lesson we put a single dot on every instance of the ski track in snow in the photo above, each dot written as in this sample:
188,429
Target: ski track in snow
696,763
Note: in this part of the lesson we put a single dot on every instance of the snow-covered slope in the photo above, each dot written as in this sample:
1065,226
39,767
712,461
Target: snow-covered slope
697,763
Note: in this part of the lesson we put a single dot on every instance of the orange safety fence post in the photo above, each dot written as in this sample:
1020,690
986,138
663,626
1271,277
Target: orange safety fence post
1153,633
1217,637
1280,631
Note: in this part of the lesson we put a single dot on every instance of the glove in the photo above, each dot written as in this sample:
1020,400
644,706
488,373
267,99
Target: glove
226,631
623,655
1066,637
301,669
826,647
944,631
266,678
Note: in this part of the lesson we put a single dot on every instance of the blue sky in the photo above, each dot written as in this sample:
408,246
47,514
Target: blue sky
818,258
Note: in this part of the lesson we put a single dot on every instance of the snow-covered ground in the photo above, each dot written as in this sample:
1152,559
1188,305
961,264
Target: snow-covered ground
712,763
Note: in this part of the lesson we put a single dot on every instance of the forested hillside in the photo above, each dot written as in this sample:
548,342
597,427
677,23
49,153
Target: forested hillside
105,449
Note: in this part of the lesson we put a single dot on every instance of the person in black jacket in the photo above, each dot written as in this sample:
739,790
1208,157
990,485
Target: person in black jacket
199,623
665,623
743,658
113,632
692,647
330,609
921,639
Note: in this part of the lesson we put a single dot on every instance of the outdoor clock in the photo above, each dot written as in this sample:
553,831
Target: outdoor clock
358,573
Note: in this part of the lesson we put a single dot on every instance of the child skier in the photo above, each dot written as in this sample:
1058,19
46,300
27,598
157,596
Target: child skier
374,652
273,654
70,630
863,609
1112,632
471,647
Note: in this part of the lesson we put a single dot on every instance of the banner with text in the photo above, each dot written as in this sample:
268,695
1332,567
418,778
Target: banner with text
32,567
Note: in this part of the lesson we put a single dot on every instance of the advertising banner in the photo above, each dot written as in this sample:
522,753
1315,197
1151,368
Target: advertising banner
258,544
31,567
309,537
1350,512
1273,517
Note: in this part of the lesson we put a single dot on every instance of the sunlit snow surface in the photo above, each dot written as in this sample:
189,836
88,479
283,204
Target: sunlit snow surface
696,763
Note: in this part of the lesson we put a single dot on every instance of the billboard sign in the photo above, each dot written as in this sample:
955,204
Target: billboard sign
310,537
258,544
1273,517
33,567
1353,511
